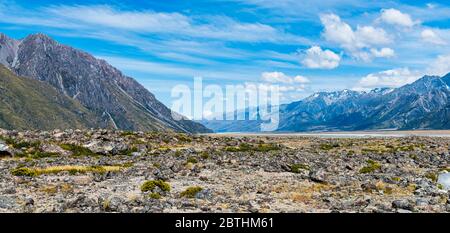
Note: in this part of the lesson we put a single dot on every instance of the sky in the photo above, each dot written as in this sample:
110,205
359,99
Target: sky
304,46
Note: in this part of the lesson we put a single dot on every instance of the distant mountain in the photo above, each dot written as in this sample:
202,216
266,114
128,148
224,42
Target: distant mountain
424,104
114,99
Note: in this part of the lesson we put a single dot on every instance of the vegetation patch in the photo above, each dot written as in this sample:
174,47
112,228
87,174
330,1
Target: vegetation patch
245,147
155,195
72,169
327,146
23,171
149,186
183,138
178,153
371,167
191,192
296,168
40,155
433,176
127,133
77,150
129,151
204,155
20,144
192,160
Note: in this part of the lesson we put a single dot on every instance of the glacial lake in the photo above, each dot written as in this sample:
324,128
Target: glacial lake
444,179
355,134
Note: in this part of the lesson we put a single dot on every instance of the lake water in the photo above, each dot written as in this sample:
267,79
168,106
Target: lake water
444,179
356,134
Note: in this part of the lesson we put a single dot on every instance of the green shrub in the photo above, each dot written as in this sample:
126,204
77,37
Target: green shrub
40,155
127,133
433,176
295,168
191,192
328,146
152,184
245,147
183,138
192,160
77,150
204,155
155,195
267,147
371,167
23,171
178,153
129,151
21,144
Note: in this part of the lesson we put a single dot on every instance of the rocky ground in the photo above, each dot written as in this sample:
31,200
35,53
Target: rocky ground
116,171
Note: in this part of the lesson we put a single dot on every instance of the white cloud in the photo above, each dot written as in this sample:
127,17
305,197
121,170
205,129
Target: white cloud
388,78
336,30
368,35
440,67
280,77
431,36
384,52
357,43
396,17
301,79
104,17
316,58
289,87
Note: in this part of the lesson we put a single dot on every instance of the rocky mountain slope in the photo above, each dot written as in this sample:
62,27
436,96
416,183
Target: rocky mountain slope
119,101
32,104
424,104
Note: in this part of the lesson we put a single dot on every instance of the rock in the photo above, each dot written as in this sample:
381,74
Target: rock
10,190
4,149
422,202
52,148
7,202
402,204
204,194
369,187
318,175
29,201
403,211
100,147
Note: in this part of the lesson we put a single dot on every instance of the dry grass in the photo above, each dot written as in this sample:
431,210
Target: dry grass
302,192
72,169
77,169
53,189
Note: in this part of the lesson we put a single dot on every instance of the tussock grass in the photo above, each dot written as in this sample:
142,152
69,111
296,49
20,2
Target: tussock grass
72,169
244,147
191,192
77,150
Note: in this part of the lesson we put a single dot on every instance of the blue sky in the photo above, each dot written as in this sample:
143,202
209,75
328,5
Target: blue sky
305,46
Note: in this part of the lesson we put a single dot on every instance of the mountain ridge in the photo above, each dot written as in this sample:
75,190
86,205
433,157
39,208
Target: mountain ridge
423,104
114,98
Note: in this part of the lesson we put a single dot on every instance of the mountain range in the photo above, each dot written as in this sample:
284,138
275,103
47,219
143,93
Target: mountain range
423,104
45,84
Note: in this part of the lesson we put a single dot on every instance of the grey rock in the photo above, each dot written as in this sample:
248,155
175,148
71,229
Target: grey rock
7,202
403,204
29,201
318,175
